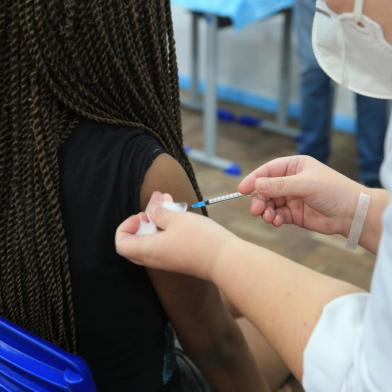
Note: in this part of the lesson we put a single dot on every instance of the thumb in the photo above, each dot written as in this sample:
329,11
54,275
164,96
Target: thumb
161,216
272,187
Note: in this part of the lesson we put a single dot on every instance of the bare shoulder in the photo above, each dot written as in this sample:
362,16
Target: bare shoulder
168,176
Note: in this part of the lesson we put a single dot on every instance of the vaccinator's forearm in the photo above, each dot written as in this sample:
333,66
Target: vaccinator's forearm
283,299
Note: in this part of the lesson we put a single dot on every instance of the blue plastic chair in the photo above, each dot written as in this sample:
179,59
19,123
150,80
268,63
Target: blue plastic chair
29,363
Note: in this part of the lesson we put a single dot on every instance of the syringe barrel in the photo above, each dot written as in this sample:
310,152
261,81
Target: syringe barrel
222,198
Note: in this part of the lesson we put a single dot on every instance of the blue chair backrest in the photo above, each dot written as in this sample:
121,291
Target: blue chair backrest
29,363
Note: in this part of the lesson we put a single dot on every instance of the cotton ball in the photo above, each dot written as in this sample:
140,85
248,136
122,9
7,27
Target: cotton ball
175,207
146,228
149,228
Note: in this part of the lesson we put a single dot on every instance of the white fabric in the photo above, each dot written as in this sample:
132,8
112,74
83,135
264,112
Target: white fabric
350,349
352,50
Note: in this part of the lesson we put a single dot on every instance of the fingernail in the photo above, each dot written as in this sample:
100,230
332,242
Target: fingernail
156,196
167,197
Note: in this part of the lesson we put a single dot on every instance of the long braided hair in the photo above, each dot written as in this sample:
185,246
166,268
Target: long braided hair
110,61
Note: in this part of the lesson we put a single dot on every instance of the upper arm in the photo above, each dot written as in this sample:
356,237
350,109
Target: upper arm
167,176
189,302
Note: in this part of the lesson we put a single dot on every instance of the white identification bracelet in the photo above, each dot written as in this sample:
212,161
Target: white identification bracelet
358,221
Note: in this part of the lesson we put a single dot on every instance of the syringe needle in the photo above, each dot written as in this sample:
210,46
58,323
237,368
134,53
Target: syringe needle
219,199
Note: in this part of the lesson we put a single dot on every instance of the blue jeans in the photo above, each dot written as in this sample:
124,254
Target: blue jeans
316,96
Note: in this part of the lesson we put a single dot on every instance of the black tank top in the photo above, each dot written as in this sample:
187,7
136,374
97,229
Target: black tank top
121,326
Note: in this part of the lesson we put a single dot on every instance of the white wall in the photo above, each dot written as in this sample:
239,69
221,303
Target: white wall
249,59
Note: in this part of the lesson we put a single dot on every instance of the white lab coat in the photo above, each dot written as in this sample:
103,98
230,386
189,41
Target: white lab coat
350,349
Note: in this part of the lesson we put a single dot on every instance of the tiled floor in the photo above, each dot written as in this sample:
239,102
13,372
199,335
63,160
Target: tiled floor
251,147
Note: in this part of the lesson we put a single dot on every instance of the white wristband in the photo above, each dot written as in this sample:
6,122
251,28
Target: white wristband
358,221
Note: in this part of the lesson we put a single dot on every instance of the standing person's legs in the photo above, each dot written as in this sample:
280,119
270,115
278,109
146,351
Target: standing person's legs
372,123
316,92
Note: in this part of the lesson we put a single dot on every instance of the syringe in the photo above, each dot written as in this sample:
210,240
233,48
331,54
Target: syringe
218,199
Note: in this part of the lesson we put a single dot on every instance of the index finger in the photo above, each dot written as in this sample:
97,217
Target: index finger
276,168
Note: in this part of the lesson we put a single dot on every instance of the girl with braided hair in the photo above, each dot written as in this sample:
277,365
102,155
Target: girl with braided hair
89,127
